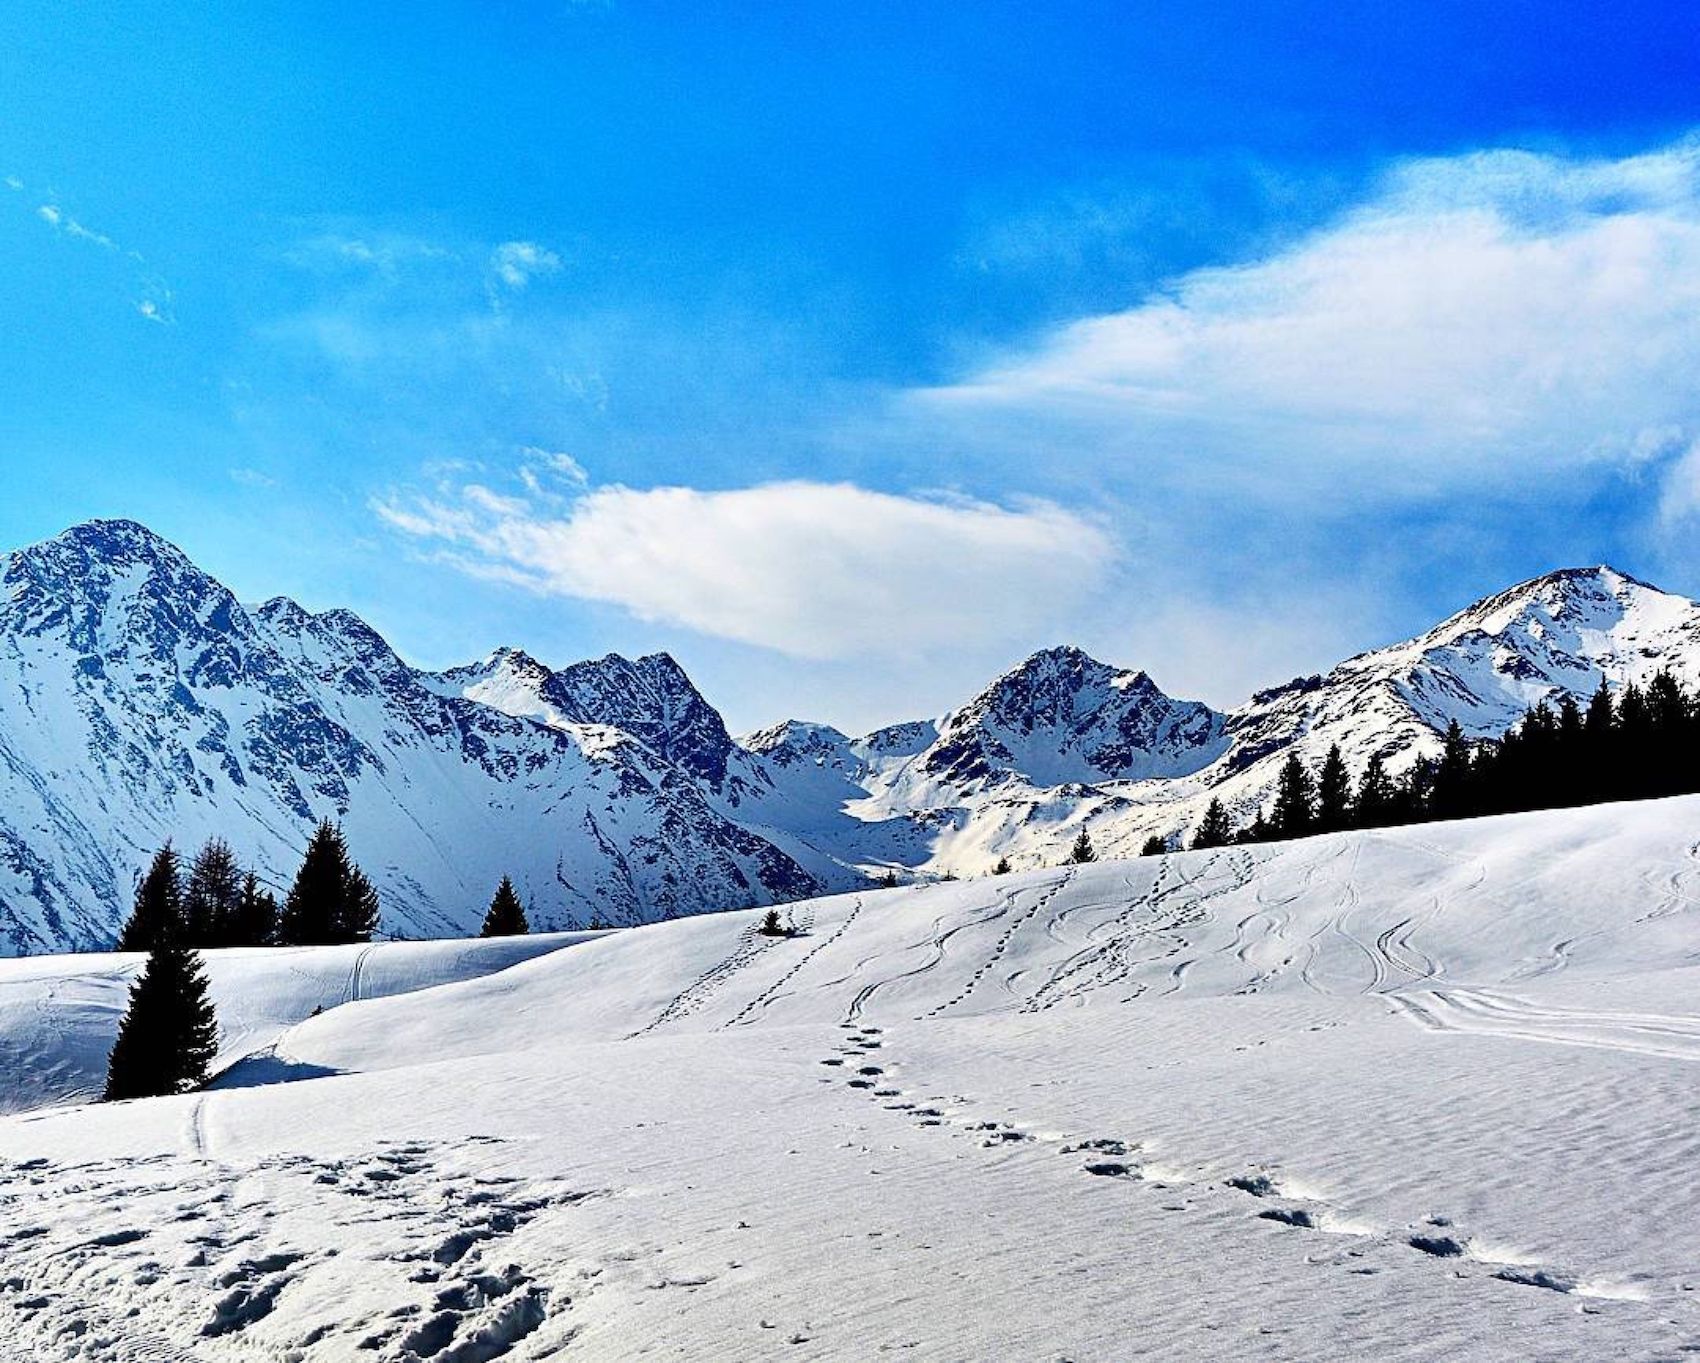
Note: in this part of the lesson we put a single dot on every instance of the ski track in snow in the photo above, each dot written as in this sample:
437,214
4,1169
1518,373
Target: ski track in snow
1485,1012
694,996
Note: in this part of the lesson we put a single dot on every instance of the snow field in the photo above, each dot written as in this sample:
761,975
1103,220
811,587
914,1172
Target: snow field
1419,1093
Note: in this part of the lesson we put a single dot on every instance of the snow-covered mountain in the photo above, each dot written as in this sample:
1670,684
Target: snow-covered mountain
1556,635
139,700
1063,741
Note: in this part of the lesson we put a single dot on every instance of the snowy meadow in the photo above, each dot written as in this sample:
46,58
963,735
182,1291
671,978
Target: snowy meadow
1410,1093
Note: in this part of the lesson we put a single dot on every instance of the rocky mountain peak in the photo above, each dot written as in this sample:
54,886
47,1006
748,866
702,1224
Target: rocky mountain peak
652,699
1063,716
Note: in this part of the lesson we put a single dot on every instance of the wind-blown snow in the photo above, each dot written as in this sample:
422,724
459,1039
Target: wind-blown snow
1410,1094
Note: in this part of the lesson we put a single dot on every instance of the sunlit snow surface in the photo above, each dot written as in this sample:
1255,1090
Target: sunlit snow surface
1423,1094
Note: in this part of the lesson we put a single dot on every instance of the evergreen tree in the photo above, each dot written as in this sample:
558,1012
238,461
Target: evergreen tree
1295,800
1333,793
1411,795
254,923
158,913
331,900
1213,829
357,918
1082,851
1373,806
1450,796
1154,846
168,1036
506,917
1601,717
210,896
1002,868
771,926
1258,830
310,912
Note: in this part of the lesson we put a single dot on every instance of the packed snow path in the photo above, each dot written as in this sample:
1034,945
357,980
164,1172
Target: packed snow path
1413,1094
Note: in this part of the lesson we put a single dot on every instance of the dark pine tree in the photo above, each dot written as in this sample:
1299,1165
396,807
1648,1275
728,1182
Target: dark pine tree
254,923
1154,846
1082,851
772,926
210,896
1002,868
1450,797
331,900
314,904
158,913
1213,829
1374,804
169,1035
506,917
1333,793
1295,800
1632,745
1258,830
1669,729
357,918
1601,716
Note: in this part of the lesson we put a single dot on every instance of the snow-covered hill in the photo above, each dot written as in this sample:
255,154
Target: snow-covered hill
59,1014
139,701
1411,1094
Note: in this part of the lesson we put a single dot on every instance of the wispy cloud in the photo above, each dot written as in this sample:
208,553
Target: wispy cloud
517,263
387,254
1477,317
153,299
812,570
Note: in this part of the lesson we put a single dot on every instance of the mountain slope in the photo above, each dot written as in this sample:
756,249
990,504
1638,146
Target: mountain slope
139,701
1063,741
1552,636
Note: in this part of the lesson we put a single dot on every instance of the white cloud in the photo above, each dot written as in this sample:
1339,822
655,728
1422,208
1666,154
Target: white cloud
516,263
546,473
812,570
1480,317
55,217
384,253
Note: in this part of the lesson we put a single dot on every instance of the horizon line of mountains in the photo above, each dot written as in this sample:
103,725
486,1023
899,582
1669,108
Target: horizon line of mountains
140,701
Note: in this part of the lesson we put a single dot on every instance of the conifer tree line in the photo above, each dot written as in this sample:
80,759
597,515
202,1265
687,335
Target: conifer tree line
1640,743
218,904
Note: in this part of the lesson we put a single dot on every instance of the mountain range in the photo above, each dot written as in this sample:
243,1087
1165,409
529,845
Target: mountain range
141,701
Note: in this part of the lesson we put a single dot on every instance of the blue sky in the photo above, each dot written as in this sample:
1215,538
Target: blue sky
851,351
